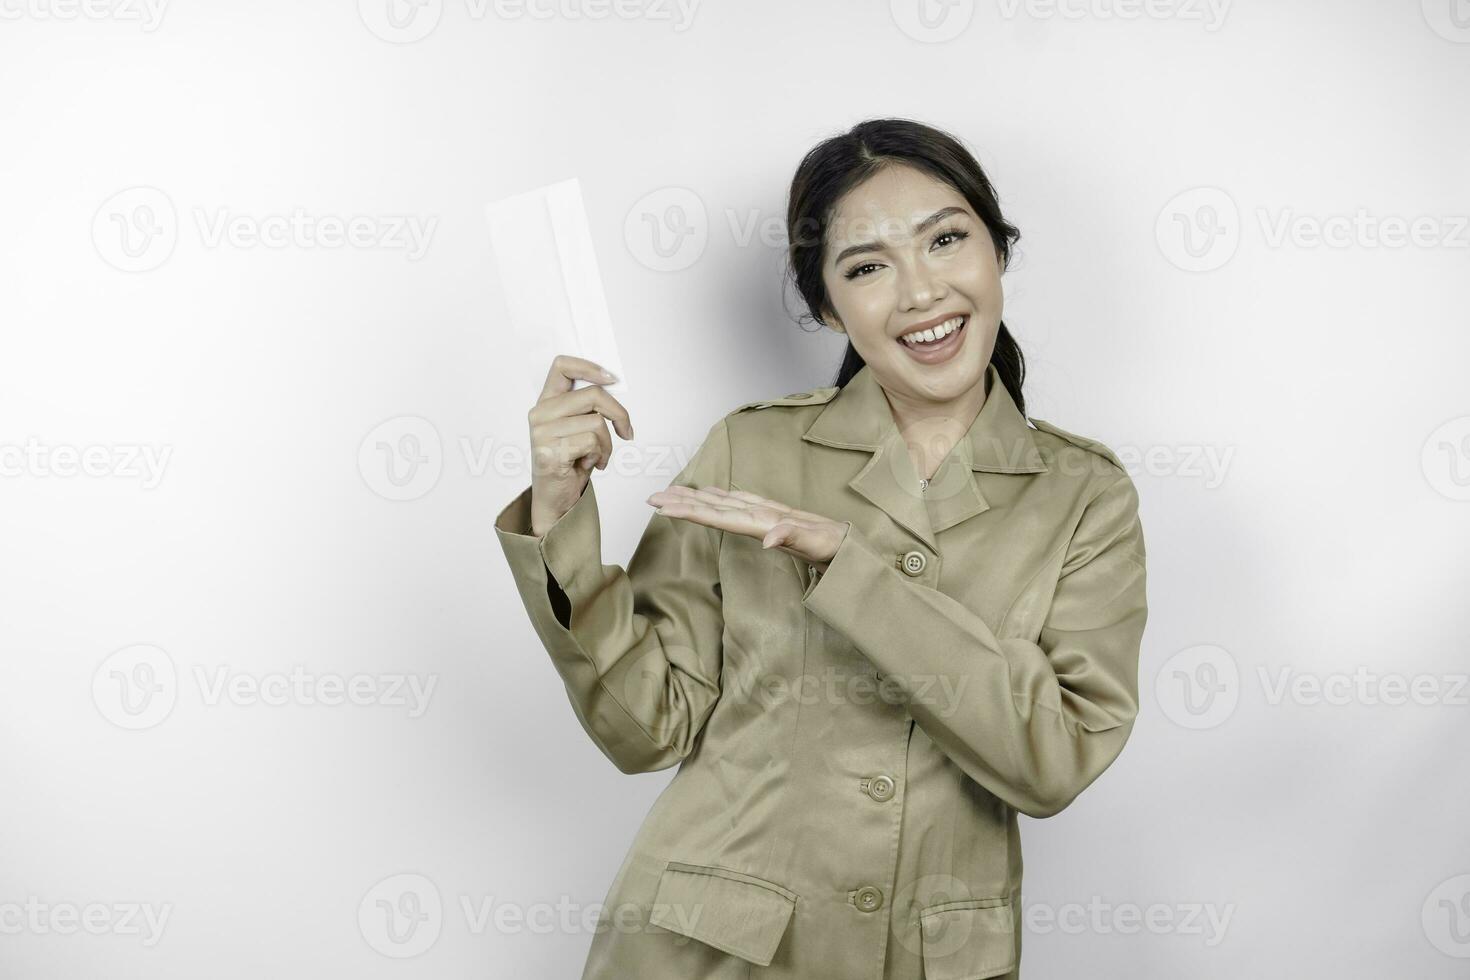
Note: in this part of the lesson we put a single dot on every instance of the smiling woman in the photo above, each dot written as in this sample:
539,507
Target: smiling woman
871,622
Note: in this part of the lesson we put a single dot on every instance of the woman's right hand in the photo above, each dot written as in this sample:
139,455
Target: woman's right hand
569,436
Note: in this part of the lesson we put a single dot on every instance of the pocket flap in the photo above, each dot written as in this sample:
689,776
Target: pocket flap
729,910
968,940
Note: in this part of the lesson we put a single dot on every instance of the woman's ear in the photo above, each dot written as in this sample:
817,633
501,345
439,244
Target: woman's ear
834,322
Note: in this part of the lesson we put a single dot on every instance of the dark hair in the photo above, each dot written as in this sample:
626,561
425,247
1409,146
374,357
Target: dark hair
838,164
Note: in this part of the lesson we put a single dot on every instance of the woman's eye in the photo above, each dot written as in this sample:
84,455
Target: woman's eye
954,233
957,234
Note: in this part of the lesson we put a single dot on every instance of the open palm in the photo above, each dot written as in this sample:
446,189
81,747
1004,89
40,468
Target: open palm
811,537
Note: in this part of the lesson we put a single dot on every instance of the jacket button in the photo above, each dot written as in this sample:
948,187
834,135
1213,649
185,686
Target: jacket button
913,563
880,788
801,394
868,899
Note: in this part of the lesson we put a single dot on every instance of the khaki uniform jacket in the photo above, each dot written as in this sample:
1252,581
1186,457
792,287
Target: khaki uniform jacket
855,744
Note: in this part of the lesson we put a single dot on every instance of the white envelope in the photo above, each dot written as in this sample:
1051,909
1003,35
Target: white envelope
548,271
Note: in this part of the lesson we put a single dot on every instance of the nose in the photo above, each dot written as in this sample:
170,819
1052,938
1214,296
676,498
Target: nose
918,287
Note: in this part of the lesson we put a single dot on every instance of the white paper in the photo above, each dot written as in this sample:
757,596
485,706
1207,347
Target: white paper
548,273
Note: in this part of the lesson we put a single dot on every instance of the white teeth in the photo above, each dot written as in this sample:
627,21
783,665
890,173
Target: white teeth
937,333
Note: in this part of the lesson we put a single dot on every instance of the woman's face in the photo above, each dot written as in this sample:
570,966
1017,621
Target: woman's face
905,250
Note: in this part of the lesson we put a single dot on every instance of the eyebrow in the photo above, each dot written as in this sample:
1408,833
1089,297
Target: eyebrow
934,218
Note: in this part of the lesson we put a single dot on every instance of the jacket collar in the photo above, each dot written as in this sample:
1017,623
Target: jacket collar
998,441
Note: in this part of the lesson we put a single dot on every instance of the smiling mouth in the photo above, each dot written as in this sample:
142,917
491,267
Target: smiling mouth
937,344
935,336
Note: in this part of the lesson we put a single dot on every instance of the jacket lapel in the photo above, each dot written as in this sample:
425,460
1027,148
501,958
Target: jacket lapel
998,441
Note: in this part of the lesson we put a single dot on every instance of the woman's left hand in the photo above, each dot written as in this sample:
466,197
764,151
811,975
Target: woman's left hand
809,536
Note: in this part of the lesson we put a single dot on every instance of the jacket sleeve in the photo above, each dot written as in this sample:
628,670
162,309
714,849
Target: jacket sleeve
1033,723
639,650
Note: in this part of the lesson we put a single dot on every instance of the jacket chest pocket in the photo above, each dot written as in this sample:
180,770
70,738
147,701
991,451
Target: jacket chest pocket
968,940
734,912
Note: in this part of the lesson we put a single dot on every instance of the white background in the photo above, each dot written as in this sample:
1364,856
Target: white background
1274,833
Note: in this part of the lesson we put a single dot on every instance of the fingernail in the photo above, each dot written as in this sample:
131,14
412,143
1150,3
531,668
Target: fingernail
609,375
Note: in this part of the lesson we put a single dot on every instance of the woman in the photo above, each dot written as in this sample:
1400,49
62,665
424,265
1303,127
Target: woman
874,621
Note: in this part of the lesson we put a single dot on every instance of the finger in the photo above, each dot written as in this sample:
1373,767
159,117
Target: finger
702,495
746,495
783,535
734,520
547,432
757,499
582,401
559,456
566,369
